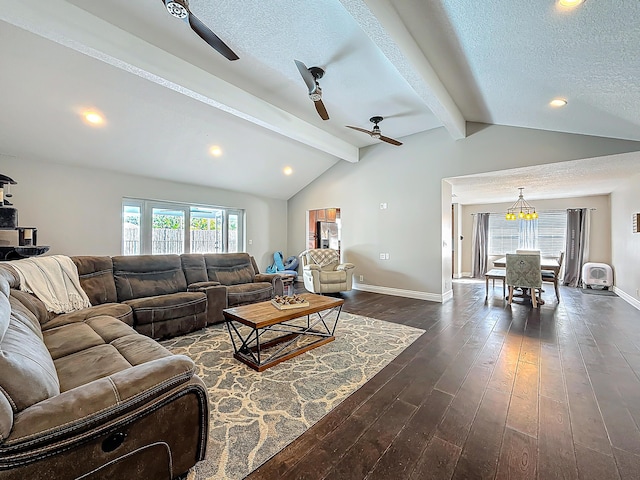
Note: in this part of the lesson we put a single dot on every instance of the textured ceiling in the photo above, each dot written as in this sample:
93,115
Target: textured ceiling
593,176
422,64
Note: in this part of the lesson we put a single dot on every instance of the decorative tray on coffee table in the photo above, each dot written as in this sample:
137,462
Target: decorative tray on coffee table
285,302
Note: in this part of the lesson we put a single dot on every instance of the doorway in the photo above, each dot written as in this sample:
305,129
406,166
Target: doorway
324,228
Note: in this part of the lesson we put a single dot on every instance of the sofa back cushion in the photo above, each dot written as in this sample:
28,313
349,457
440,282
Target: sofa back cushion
229,268
27,372
10,275
194,267
326,258
96,278
139,276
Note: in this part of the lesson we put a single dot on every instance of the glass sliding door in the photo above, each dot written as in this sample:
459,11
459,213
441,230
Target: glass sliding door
131,226
207,230
168,230
234,231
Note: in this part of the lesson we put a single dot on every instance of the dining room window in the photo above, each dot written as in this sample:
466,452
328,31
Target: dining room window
547,233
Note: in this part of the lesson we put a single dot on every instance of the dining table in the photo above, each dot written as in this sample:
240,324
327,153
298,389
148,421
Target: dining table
546,263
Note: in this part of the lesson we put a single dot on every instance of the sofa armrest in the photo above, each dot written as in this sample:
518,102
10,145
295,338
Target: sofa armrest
312,266
199,286
216,299
274,278
97,403
120,311
266,277
345,266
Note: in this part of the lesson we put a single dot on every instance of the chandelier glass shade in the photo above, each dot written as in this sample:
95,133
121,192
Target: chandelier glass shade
521,209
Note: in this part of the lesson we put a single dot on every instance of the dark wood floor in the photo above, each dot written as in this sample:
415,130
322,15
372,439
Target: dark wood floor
489,391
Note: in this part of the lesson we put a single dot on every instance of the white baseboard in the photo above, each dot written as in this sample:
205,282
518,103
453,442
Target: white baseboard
462,275
398,292
446,296
627,298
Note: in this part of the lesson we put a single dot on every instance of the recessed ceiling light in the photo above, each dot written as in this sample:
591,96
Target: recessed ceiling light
216,151
92,117
569,3
558,102
288,170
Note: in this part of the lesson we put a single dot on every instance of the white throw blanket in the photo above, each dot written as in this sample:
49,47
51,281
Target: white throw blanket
54,280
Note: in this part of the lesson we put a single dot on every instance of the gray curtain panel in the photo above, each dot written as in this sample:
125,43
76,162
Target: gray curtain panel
577,247
480,249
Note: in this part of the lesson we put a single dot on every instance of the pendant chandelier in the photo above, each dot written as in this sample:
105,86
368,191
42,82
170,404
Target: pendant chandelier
521,209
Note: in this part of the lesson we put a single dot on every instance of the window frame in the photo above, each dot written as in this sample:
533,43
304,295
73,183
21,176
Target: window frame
147,206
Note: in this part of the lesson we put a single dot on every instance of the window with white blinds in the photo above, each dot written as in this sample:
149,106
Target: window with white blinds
552,231
505,236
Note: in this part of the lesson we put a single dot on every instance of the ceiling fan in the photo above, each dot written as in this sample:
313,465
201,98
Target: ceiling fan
375,132
180,9
311,76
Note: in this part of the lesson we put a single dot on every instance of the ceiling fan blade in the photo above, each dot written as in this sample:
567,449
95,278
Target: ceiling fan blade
390,140
306,76
359,129
321,110
211,38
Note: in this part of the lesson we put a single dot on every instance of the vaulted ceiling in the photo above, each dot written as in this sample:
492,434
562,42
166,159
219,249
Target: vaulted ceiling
167,96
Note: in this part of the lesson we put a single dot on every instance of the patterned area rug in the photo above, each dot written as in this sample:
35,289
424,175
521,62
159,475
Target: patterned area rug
255,415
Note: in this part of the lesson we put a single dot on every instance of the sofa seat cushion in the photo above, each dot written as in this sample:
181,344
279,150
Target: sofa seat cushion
28,372
167,307
328,276
88,365
96,348
249,293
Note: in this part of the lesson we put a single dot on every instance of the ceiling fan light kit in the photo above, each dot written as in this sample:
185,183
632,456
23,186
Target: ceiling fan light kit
311,75
375,132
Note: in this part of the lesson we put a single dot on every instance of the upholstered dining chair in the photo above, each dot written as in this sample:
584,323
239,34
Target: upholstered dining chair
523,271
551,277
322,271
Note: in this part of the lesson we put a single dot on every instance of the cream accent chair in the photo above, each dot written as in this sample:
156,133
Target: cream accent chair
322,271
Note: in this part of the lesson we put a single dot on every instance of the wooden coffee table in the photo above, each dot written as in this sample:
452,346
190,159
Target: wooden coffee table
274,335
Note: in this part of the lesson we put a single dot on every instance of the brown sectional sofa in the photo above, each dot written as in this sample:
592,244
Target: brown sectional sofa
83,395
88,394
171,295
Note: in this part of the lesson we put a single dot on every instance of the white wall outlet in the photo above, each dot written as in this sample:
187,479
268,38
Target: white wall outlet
383,206
250,242
382,256
386,256
361,278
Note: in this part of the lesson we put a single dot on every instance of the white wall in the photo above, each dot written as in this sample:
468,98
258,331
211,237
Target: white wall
408,179
600,239
78,211
625,245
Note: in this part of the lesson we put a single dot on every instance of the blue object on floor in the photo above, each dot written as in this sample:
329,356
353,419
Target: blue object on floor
291,263
280,266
